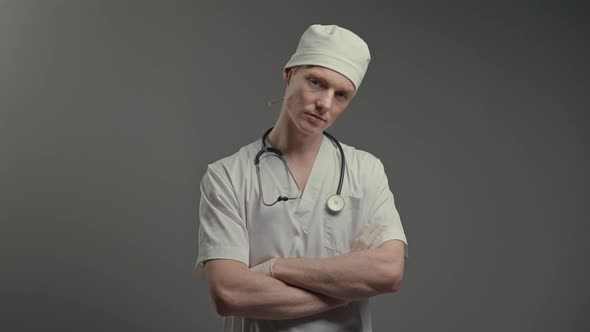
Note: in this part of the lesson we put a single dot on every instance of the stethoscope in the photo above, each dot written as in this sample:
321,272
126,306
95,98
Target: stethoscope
335,202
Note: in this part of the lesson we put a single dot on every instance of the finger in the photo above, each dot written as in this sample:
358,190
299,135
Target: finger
365,237
375,230
368,230
376,241
375,237
361,235
357,244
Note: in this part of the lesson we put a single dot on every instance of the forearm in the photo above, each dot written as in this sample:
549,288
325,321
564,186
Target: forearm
257,296
353,276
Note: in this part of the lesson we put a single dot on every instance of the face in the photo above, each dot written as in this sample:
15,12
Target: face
315,97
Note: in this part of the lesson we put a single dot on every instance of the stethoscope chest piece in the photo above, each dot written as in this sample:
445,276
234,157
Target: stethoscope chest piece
335,203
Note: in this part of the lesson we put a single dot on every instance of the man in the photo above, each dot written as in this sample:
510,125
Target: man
307,261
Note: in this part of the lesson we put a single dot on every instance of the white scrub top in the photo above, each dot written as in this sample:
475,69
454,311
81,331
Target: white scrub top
234,224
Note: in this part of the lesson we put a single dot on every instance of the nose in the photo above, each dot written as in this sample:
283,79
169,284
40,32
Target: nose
324,101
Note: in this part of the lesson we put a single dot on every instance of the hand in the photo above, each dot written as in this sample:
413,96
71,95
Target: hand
368,238
265,267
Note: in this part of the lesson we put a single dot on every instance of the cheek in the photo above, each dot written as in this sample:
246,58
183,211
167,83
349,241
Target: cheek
298,98
291,101
308,96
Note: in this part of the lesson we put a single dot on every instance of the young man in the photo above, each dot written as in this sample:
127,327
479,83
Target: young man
307,261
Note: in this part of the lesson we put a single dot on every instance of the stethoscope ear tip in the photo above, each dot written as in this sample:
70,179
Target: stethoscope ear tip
274,102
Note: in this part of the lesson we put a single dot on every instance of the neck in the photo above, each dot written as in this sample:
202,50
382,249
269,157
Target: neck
286,137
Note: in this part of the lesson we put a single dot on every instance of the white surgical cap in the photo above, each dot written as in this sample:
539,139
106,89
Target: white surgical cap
335,48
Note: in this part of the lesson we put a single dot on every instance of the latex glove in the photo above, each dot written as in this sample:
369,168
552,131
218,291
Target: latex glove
264,267
368,238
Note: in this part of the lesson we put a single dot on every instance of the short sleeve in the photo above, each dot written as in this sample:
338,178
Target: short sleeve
222,232
384,211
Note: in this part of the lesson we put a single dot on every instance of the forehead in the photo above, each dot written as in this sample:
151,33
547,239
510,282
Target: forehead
332,77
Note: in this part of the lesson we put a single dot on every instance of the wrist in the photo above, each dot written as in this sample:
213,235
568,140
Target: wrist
276,267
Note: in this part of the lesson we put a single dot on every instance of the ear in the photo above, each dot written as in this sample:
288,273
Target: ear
287,74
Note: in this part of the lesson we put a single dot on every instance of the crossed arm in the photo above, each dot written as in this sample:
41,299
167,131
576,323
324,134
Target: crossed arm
237,291
353,276
304,286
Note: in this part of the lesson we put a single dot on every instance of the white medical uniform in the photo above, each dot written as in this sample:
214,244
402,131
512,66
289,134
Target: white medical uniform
234,224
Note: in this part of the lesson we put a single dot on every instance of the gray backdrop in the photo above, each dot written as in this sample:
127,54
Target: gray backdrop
110,112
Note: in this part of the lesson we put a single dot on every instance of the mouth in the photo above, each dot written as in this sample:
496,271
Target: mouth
315,116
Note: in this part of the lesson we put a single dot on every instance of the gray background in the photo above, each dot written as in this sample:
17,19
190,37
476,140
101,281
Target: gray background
110,112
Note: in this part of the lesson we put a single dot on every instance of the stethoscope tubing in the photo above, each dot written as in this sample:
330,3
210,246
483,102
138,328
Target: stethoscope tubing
279,154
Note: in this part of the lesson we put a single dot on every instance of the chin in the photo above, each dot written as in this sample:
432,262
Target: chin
305,127
310,129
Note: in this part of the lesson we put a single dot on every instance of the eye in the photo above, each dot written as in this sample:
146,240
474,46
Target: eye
315,81
342,95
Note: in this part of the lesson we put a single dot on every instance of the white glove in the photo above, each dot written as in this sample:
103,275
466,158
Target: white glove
369,237
264,267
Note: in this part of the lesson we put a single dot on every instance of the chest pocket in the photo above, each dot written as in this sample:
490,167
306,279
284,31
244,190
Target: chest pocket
341,228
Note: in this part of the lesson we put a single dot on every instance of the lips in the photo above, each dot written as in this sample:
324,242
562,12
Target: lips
315,116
